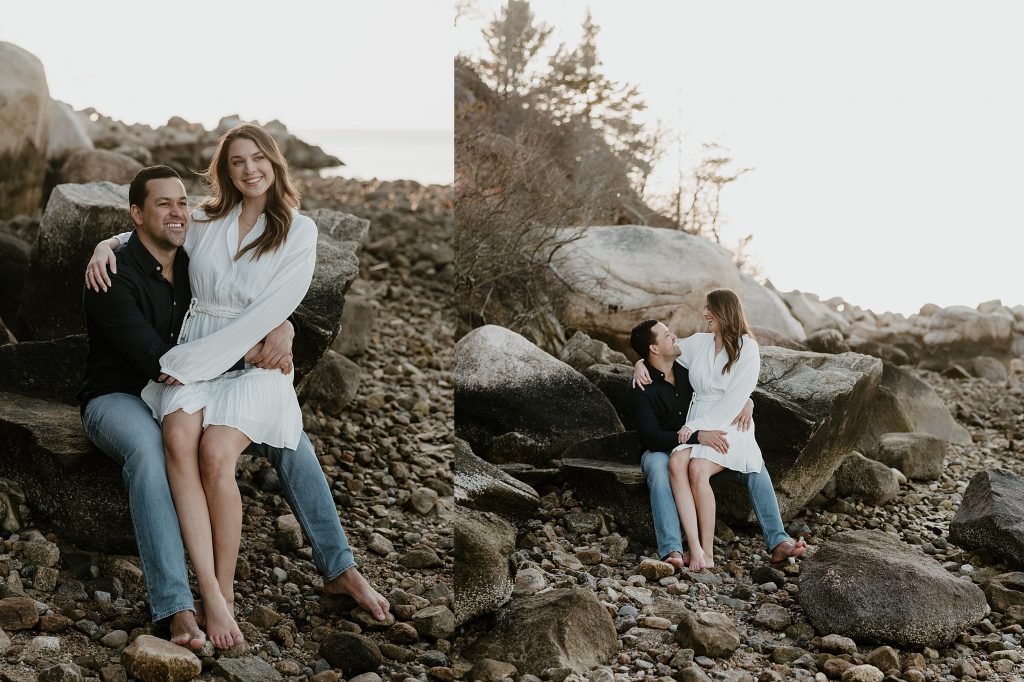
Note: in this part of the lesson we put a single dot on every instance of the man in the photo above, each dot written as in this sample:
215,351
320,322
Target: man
660,415
134,321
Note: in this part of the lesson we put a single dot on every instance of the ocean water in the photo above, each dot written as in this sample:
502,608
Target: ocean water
426,156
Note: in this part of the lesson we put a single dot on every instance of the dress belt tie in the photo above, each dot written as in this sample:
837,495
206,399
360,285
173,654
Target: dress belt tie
196,307
707,397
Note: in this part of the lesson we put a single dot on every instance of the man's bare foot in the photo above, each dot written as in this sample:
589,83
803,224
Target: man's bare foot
786,549
185,631
353,584
220,623
677,561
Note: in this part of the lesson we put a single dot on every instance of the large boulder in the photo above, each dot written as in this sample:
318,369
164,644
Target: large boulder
15,256
809,410
866,479
581,351
614,381
919,456
50,370
990,515
765,308
67,131
870,586
484,487
484,570
516,403
959,333
79,216
65,479
619,275
24,131
904,403
561,628
332,384
95,165
812,313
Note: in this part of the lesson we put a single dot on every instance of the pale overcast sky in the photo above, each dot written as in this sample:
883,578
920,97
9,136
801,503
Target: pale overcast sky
887,137
312,64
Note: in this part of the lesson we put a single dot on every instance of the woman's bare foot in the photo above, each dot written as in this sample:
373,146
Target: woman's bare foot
201,615
698,561
185,631
786,549
220,623
353,584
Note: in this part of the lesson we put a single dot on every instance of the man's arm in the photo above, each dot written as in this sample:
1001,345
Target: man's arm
116,314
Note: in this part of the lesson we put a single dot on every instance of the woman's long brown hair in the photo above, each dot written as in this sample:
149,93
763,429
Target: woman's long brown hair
725,305
283,196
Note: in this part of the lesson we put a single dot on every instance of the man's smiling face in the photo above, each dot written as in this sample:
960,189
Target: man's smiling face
163,216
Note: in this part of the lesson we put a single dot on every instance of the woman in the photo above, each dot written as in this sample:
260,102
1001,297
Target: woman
724,365
251,262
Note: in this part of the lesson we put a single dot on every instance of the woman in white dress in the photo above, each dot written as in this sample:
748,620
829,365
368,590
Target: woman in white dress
251,260
724,365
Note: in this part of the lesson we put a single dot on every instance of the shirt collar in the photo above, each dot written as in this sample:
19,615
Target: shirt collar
148,263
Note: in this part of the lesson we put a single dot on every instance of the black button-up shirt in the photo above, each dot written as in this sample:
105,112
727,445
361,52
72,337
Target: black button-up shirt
134,322
659,410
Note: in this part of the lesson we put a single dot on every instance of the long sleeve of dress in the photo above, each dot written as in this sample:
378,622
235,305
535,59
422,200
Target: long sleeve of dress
213,354
743,379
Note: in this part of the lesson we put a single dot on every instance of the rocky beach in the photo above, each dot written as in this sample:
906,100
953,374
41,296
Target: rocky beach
373,352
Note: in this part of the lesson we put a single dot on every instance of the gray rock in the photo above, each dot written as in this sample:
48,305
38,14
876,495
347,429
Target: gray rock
61,672
482,486
352,653
827,341
507,387
422,500
245,669
708,633
49,370
24,137
989,516
869,586
114,639
614,382
866,479
421,557
918,456
488,670
561,628
96,165
773,617
437,622
485,573
863,673
332,384
581,351
67,131
357,324
1005,590
42,552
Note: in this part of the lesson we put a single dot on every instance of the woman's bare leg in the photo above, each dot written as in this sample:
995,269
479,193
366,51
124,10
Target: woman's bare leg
701,471
678,465
181,433
218,454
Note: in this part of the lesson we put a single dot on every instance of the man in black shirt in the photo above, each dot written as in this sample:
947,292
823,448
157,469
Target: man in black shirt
131,323
659,410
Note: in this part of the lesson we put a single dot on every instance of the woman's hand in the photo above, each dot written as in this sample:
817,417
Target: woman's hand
745,419
169,380
641,377
276,352
684,435
96,276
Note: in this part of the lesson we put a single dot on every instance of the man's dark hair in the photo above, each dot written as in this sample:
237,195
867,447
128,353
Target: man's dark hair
137,190
641,338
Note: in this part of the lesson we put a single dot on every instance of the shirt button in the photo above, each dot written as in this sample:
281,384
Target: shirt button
158,269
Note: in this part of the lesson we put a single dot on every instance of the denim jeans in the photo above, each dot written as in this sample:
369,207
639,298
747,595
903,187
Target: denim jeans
122,426
667,529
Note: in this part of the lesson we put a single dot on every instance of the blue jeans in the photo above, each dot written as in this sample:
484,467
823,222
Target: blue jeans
667,529
122,426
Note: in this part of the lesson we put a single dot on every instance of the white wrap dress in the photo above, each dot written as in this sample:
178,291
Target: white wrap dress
718,398
235,303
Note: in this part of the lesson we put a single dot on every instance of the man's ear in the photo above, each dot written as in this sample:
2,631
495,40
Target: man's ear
136,214
651,350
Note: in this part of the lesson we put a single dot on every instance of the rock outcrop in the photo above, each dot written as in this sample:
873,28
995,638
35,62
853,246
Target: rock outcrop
484,487
24,131
990,515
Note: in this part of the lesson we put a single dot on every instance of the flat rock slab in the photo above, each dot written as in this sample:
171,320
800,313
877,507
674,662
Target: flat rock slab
152,659
65,479
870,586
516,403
563,628
246,669
482,486
990,515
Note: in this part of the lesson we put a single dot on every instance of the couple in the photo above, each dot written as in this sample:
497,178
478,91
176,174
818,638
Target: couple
691,402
190,329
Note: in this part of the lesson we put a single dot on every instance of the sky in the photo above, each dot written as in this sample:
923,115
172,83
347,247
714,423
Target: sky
311,64
886,138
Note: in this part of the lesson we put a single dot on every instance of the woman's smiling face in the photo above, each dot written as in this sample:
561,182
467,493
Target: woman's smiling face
250,169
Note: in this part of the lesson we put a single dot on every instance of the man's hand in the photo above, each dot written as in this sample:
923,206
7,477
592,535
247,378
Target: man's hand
745,419
641,377
684,435
714,439
169,380
275,351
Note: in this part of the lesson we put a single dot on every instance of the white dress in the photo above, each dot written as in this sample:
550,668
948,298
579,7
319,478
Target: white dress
718,398
235,304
